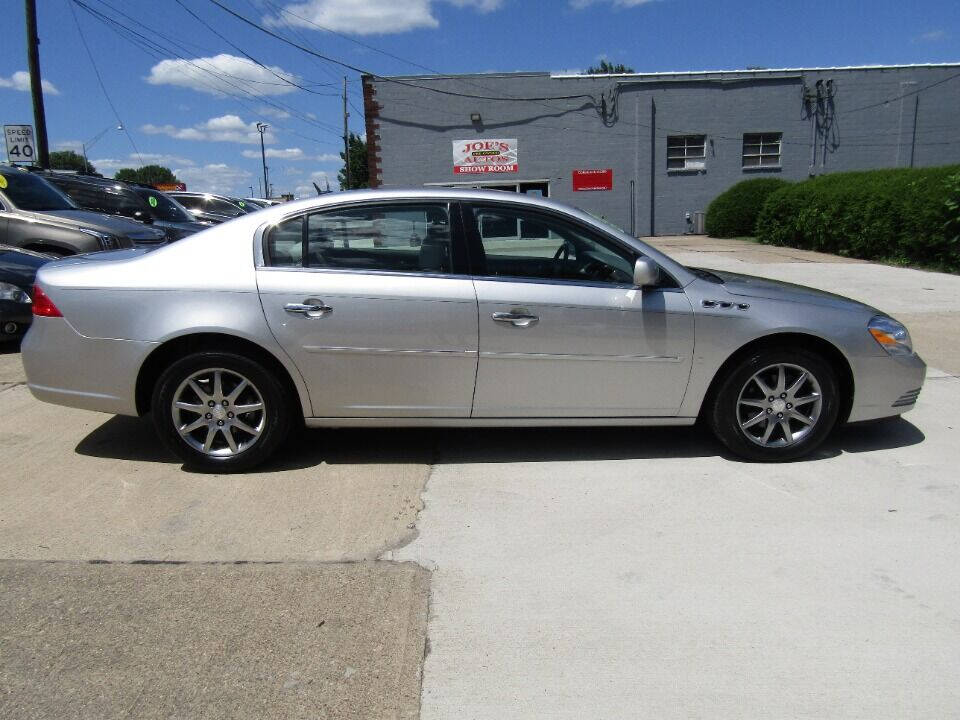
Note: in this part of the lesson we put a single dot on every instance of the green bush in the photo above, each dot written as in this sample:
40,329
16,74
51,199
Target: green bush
909,216
734,212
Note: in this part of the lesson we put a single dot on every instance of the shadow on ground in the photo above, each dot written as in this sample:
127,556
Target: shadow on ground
127,438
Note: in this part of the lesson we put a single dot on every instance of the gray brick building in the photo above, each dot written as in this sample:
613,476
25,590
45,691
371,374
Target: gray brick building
671,141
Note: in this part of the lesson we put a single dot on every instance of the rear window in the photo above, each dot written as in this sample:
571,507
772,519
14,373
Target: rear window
110,199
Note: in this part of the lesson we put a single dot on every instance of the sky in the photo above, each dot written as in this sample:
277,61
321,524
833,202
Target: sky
187,97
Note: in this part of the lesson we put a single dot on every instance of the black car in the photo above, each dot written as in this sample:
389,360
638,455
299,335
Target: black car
18,269
212,208
119,198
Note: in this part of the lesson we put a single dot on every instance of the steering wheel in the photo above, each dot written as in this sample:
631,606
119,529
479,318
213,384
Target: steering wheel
564,251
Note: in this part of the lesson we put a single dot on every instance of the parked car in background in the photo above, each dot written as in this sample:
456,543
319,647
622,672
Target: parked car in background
264,202
113,197
37,216
18,272
206,207
510,311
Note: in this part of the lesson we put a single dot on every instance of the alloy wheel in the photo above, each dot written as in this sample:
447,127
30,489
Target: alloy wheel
779,405
218,412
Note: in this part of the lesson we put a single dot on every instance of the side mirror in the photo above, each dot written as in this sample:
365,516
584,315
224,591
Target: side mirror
143,217
646,272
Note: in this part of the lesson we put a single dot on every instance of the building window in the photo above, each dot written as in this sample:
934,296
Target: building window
686,152
761,150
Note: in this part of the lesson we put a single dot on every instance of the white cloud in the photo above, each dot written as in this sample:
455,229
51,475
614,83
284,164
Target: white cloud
369,17
108,166
580,4
267,111
20,80
227,73
293,154
283,154
226,128
75,145
932,36
216,178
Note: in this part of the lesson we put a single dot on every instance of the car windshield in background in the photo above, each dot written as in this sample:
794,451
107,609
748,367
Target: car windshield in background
163,207
222,207
29,192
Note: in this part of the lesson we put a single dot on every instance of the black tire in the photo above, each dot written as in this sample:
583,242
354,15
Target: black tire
730,407
273,421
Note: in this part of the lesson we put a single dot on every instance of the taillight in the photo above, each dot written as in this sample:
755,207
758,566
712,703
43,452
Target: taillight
43,305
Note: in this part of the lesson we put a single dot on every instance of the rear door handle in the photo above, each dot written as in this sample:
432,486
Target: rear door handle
517,319
311,308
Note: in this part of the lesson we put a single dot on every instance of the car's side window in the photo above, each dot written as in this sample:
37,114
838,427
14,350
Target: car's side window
222,207
520,244
398,238
190,202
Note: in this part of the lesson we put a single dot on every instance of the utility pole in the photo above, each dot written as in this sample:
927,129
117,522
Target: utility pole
36,86
261,127
346,138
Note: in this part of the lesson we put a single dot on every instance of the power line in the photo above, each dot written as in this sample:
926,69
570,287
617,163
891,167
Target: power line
159,51
103,87
356,69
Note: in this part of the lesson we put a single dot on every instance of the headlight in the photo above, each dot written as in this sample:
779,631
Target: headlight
891,335
14,293
107,242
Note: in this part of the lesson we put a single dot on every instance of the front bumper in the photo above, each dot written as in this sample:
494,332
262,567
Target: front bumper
66,368
886,386
18,314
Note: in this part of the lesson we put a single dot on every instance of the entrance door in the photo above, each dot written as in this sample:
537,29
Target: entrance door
373,303
563,331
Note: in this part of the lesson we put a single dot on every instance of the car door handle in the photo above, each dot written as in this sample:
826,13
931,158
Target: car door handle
517,319
311,308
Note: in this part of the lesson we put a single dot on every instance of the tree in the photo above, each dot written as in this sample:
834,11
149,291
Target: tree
147,175
607,68
69,160
359,172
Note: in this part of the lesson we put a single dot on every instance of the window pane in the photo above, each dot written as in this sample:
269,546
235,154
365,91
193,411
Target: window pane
222,207
751,161
402,238
676,163
526,245
284,246
768,160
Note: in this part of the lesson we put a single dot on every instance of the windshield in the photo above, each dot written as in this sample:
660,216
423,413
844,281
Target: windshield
164,207
32,193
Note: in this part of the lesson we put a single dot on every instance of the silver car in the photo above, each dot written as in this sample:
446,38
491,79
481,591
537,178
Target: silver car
440,307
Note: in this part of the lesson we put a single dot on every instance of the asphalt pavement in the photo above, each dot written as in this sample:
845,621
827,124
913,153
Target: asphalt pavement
597,573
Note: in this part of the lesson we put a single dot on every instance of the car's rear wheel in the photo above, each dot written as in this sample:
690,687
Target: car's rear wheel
776,405
220,412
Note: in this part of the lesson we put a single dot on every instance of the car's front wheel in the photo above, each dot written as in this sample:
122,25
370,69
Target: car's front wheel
776,405
220,412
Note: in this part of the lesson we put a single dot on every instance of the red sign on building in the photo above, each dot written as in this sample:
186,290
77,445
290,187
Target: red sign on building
593,179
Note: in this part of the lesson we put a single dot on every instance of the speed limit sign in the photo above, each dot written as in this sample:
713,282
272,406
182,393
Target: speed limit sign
20,147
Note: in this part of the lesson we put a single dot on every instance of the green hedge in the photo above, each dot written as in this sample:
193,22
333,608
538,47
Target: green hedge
734,212
909,216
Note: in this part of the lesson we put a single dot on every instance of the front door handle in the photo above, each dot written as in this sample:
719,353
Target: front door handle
311,308
517,319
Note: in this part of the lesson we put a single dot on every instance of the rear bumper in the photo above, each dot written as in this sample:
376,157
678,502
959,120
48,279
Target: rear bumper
886,386
66,368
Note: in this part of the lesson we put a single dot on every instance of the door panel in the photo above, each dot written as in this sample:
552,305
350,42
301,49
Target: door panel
391,346
591,352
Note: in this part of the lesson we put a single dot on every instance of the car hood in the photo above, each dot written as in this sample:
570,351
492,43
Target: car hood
109,224
757,287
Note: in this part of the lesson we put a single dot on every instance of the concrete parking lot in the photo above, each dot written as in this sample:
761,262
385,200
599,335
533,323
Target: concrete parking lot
561,573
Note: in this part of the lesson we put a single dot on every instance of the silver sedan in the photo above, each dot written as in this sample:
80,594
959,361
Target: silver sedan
439,307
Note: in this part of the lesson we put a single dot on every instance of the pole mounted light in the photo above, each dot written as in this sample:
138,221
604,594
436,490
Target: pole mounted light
90,143
261,128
